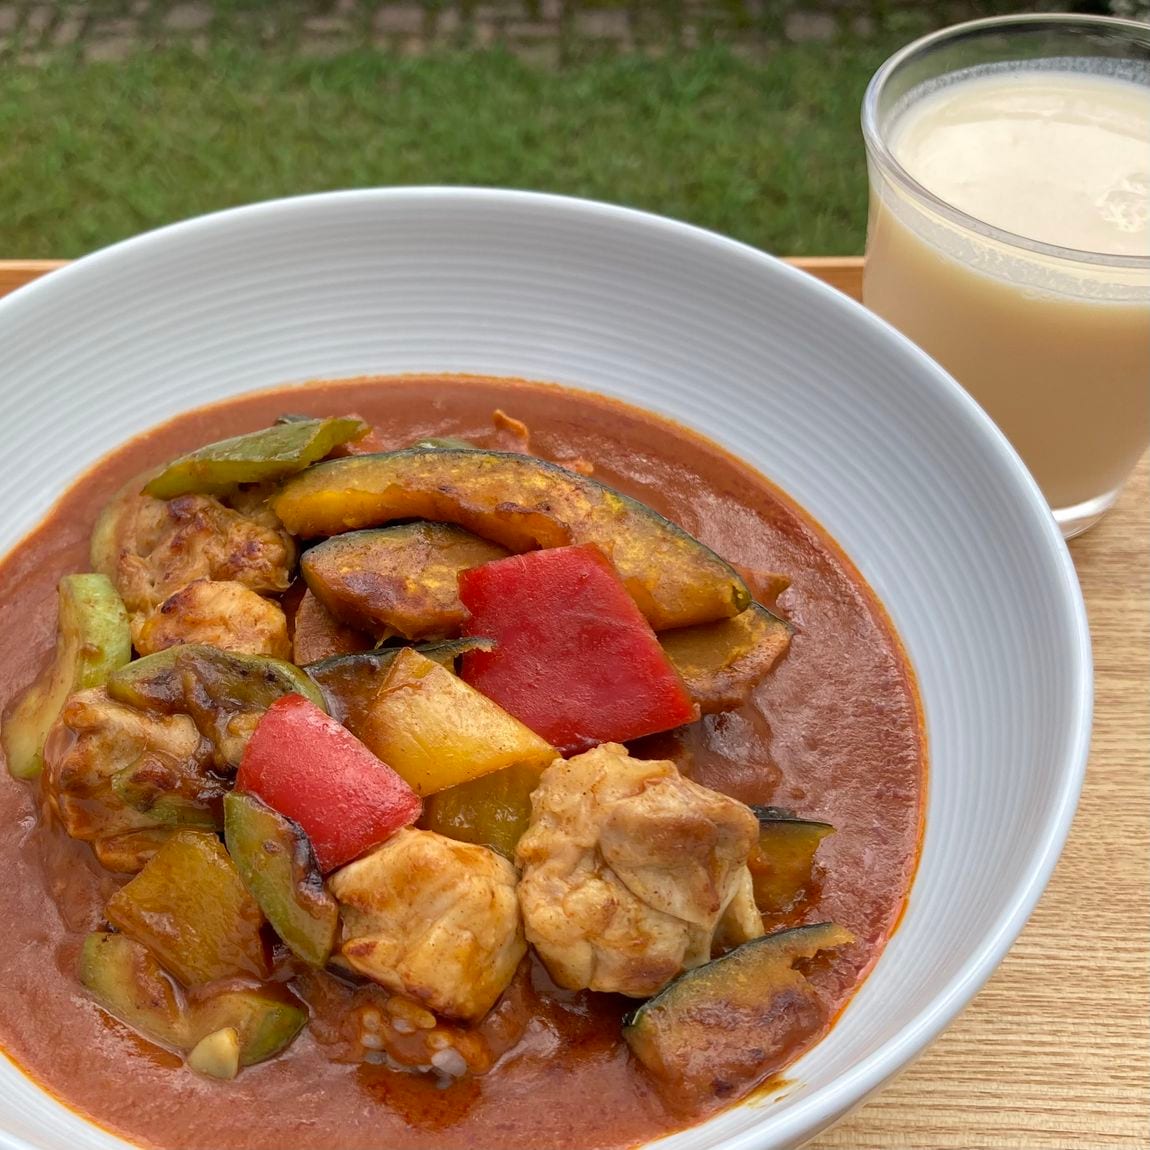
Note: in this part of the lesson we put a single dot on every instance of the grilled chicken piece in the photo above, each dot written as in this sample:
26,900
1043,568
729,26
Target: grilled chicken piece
111,771
742,919
628,871
156,547
225,614
432,919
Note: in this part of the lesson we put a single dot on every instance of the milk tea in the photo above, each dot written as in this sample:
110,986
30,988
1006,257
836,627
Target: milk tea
1056,348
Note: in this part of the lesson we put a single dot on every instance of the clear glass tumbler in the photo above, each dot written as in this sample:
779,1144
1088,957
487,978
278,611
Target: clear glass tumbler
1053,341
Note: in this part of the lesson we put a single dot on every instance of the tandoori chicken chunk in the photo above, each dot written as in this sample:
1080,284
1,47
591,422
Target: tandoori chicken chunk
628,871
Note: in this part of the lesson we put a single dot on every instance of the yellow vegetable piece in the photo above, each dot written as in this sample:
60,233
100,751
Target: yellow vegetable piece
191,909
492,811
217,1055
722,662
438,732
782,864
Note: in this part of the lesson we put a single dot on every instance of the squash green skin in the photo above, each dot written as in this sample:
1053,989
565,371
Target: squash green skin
397,580
520,502
716,1030
259,457
276,863
93,640
350,682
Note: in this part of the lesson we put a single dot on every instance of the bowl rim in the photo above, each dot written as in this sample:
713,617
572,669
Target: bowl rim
805,1116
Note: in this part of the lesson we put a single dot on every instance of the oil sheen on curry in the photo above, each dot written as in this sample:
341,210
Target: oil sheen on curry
438,763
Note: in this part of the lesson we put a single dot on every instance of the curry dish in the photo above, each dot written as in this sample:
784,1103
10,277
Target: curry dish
435,763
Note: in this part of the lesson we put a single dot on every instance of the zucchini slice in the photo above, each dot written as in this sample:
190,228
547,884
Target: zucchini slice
721,662
125,979
349,683
268,454
718,1029
93,639
274,858
123,976
520,502
781,865
397,580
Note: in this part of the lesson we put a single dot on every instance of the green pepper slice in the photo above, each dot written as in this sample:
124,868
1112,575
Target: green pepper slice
276,863
261,456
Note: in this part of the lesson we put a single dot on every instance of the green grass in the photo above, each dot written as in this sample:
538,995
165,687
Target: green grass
768,152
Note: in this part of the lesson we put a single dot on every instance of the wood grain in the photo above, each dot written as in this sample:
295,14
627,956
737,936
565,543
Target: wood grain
1054,1053
16,273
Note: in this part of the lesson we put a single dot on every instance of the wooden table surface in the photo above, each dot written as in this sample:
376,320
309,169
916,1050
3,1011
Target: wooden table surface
1054,1053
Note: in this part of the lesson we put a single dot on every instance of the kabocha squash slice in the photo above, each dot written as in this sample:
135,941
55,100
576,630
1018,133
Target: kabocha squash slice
721,662
782,863
520,502
721,1027
400,580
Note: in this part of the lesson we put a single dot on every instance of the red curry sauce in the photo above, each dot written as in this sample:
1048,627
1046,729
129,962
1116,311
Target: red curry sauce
834,732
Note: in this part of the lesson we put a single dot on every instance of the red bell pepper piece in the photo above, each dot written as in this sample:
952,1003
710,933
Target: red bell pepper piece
574,659
310,768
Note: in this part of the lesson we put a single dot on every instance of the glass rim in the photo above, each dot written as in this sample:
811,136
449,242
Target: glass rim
879,151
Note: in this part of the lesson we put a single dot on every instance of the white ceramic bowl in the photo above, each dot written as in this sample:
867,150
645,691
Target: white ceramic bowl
866,432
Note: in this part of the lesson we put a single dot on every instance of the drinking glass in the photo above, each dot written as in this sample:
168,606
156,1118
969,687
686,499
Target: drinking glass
1052,341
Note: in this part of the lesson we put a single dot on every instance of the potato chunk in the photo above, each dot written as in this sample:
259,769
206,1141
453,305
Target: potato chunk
628,871
433,919
436,731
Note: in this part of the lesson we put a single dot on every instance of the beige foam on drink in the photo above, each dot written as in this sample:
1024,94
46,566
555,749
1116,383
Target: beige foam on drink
1056,350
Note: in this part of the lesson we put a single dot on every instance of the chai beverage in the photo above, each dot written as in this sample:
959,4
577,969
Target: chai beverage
1012,243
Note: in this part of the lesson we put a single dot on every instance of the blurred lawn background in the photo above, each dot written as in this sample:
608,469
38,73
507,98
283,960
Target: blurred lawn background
739,115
